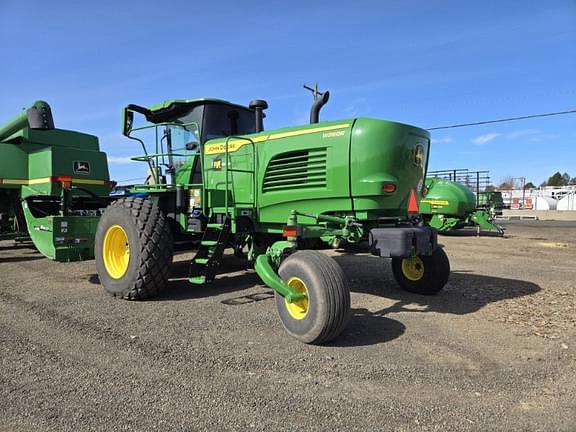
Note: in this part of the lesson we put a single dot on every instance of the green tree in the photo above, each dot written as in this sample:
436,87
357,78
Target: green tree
529,185
556,180
566,178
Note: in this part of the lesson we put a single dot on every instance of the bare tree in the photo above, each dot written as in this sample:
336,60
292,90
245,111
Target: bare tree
506,182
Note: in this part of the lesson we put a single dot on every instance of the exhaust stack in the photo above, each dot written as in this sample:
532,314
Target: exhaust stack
259,106
320,99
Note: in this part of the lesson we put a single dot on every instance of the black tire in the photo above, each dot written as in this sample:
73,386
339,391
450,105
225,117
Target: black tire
328,307
435,271
150,248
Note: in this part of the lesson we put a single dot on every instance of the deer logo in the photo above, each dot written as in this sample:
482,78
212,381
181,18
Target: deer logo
81,167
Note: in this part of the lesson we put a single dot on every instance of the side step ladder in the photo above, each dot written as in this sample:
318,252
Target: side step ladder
207,260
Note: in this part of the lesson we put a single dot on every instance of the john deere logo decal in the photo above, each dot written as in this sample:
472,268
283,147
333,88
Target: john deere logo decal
81,167
217,164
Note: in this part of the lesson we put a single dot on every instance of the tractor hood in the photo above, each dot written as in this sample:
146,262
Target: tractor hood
388,162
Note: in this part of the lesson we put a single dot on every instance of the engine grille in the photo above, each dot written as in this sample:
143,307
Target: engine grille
296,170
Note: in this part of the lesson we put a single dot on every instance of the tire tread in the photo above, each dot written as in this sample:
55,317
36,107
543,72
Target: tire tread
155,248
338,295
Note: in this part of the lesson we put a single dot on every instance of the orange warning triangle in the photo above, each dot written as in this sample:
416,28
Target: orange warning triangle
413,203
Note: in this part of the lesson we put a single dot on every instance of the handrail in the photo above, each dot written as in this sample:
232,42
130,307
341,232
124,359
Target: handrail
165,124
227,171
169,186
150,156
152,159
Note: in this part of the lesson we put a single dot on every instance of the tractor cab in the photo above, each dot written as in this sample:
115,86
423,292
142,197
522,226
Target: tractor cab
180,128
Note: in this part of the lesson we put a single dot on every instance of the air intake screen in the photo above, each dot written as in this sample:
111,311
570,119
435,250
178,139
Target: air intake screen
296,170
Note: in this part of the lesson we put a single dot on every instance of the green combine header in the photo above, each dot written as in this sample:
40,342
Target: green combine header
53,185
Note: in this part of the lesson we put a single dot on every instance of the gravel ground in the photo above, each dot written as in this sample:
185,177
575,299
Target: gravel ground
496,350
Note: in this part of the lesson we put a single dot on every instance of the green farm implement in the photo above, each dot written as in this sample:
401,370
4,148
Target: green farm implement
52,184
219,180
490,201
450,205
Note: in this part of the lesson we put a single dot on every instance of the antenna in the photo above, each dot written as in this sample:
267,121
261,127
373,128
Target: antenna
320,99
314,90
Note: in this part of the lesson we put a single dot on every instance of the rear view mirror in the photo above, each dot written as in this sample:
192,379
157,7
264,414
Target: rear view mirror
128,118
191,146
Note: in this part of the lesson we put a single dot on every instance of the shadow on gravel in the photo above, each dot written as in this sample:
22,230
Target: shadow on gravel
21,258
249,298
180,289
8,245
94,279
27,252
465,293
368,328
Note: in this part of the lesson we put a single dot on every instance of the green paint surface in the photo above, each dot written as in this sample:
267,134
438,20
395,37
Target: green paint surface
31,161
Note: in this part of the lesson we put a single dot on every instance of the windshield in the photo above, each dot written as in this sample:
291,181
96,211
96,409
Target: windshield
192,119
185,142
225,120
179,131
219,120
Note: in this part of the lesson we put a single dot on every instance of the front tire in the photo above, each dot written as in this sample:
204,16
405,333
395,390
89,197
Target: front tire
133,249
424,275
326,312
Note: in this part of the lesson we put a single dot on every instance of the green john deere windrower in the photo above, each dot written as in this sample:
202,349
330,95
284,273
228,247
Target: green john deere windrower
52,184
218,179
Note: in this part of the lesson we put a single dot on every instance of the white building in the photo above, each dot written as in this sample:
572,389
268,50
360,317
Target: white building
528,199
568,202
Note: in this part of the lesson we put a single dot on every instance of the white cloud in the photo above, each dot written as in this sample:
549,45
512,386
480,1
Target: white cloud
543,137
522,133
446,140
120,160
485,139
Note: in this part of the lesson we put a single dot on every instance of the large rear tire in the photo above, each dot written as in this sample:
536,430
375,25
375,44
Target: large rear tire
133,249
326,312
424,275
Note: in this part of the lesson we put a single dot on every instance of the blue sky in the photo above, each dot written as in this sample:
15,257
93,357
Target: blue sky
419,62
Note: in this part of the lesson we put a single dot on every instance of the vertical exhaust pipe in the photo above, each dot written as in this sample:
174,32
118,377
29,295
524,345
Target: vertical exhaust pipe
259,106
320,99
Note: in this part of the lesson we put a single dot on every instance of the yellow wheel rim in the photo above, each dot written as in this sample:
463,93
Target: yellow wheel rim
298,309
116,251
413,268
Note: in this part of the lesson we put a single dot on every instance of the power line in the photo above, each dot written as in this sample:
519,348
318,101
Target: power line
129,180
502,120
